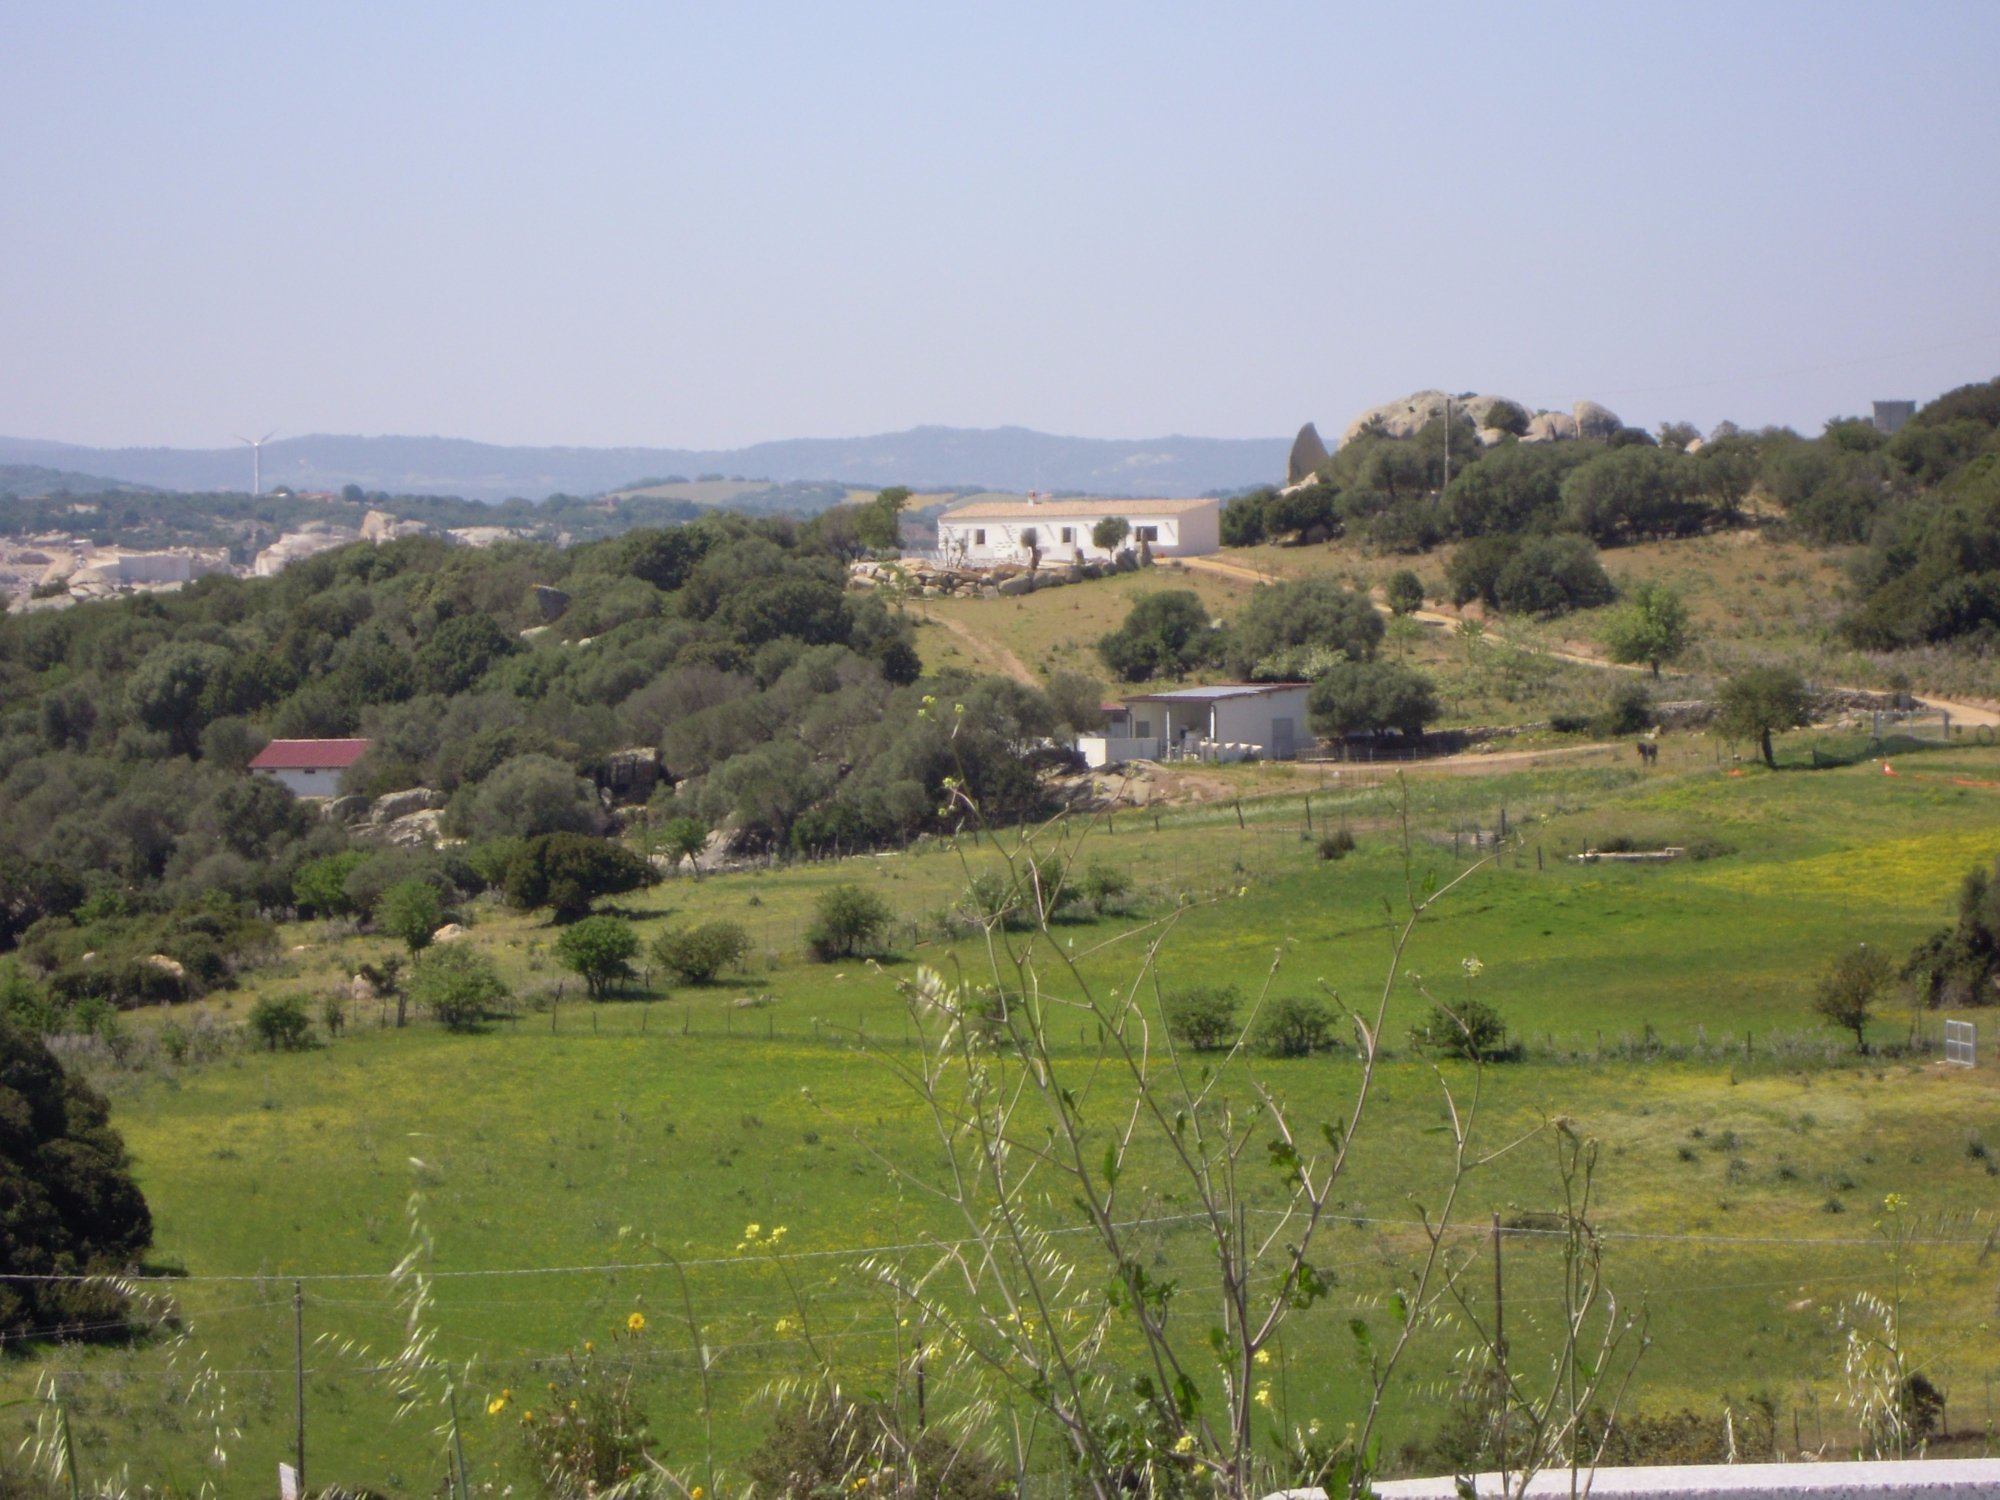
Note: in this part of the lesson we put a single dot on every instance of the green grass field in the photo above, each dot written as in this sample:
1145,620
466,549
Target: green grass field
565,1157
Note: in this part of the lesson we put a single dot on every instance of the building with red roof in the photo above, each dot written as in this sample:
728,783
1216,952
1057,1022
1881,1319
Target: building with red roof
310,768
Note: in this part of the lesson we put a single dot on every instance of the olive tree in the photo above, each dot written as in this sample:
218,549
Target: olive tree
1650,628
1756,702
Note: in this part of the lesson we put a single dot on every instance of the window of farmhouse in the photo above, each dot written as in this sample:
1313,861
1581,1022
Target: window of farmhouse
1068,535
979,537
1147,533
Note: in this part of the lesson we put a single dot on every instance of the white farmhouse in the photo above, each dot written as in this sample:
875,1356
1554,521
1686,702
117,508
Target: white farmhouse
996,531
311,768
1233,721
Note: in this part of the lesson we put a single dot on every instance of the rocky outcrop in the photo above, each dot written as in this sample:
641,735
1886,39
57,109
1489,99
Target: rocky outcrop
1549,427
390,806
1308,453
923,580
552,602
1410,415
1594,421
451,932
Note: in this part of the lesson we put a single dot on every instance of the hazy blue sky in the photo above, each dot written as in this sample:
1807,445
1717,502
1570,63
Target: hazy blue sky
712,224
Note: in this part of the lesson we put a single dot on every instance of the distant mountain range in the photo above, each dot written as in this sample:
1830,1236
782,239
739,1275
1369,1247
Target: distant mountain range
925,458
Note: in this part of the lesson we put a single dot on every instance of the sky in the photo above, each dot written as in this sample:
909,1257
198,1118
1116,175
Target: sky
710,225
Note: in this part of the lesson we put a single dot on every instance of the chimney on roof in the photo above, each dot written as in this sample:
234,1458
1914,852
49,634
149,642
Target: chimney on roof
1034,497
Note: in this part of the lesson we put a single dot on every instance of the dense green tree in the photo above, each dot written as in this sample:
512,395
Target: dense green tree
409,912
165,692
598,950
1166,634
1650,628
847,921
1404,592
1314,611
459,652
68,1202
1243,518
568,871
527,795
1551,575
879,523
1633,492
1761,700
1368,697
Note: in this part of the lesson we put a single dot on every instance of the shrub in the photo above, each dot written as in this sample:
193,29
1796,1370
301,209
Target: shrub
1628,711
1202,1017
281,1023
1104,886
698,954
1110,533
457,984
1405,592
599,950
1337,844
833,1446
1295,1026
1471,1029
847,921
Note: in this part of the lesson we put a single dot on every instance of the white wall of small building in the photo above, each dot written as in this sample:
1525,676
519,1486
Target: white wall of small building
1182,533
307,783
1253,721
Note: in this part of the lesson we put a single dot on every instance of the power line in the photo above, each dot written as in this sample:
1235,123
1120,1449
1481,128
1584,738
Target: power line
862,1252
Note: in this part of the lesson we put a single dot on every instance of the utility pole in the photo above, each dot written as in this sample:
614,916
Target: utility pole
1447,448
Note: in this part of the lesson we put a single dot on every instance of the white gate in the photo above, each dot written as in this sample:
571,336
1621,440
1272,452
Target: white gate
1961,1043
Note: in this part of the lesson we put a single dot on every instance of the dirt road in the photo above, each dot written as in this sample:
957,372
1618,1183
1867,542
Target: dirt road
988,654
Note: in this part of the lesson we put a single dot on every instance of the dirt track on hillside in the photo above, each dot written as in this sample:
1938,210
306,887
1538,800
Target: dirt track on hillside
1580,652
988,653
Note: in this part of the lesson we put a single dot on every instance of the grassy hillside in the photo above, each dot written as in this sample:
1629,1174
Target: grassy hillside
582,1149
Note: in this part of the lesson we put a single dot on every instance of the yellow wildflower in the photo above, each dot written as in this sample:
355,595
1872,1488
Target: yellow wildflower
588,1346
1895,1203
497,1405
1263,1356
696,1493
1262,1396
636,1323
1184,1443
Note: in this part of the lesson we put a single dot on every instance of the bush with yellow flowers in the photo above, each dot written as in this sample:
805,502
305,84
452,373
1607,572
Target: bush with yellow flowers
583,1430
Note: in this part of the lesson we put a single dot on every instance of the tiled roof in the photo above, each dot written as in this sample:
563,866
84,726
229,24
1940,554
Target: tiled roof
1021,510
308,755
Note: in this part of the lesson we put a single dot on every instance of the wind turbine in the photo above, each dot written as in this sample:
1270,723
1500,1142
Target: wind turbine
256,446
